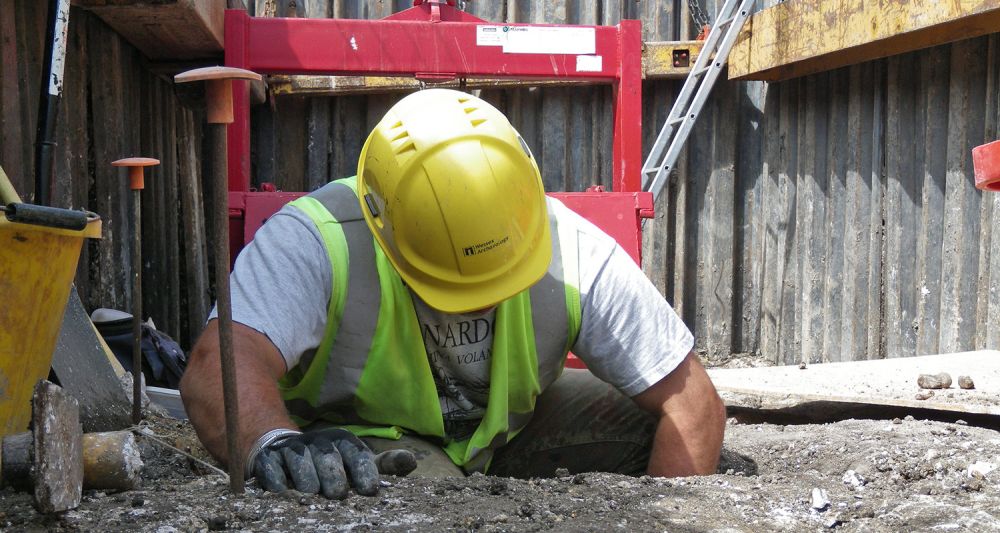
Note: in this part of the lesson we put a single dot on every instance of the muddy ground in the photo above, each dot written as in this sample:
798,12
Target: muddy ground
874,475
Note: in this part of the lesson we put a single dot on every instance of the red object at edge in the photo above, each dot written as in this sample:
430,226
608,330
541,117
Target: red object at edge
986,161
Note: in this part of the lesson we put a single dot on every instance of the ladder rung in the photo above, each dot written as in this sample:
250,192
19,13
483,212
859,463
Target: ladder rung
727,21
670,141
704,69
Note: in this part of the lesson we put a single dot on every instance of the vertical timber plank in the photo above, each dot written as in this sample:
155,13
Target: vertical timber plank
696,240
789,336
13,103
175,239
153,209
901,210
107,134
934,76
811,213
193,226
876,287
773,256
856,319
721,222
836,157
348,135
290,143
749,223
966,107
72,172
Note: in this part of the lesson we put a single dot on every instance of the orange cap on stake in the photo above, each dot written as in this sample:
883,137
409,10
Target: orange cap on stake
135,174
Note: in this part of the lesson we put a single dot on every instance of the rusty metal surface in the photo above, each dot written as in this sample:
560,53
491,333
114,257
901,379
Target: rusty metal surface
220,229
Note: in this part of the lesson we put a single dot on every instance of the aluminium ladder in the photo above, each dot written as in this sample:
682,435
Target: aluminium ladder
693,95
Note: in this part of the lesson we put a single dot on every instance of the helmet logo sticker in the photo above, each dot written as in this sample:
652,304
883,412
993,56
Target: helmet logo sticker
485,246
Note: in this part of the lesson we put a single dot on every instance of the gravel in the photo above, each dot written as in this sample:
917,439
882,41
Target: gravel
871,475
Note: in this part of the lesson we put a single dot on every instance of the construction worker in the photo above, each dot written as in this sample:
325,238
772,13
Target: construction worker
427,306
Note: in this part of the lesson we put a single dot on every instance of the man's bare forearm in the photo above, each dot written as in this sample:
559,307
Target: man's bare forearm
258,368
692,420
685,446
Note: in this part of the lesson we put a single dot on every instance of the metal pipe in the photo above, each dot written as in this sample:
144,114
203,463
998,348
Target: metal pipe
137,305
219,114
136,183
56,32
220,231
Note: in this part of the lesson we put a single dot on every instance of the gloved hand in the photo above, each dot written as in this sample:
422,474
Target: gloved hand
328,461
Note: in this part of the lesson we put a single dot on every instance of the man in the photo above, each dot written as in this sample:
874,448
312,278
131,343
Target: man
428,305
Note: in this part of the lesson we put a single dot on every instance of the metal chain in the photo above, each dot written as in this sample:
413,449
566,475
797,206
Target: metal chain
697,15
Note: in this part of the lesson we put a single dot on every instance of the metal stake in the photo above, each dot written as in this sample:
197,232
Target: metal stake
219,101
136,183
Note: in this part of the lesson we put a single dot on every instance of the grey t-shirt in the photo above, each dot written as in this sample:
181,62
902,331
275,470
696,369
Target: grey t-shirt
629,335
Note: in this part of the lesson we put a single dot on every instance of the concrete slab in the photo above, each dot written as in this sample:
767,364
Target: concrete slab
883,382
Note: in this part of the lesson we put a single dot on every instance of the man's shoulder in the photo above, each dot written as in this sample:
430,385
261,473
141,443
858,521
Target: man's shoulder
289,227
587,230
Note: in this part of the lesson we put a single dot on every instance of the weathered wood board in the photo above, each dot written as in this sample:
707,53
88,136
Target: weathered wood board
801,37
165,29
884,382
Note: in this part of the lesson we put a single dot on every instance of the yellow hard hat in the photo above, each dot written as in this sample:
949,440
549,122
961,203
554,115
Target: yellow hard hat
454,197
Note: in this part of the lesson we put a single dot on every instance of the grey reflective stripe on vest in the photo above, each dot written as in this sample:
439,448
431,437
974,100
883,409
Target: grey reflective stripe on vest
548,315
361,308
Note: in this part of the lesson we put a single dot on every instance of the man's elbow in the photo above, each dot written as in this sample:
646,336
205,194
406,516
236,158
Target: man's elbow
202,367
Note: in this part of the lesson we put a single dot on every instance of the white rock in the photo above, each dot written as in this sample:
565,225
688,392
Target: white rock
980,469
853,479
820,500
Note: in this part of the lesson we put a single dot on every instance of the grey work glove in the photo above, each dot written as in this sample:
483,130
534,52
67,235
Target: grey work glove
327,461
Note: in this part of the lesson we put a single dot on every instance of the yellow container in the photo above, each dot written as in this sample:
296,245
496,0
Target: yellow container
37,267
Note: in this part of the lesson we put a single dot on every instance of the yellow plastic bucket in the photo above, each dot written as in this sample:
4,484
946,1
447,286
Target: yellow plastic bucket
37,267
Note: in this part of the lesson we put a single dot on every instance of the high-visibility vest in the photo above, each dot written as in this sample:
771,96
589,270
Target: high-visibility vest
371,373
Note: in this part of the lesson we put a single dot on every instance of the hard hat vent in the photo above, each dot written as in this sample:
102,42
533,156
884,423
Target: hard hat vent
478,121
402,142
406,148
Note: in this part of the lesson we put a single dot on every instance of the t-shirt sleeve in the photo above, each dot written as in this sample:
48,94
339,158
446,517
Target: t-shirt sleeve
629,335
281,284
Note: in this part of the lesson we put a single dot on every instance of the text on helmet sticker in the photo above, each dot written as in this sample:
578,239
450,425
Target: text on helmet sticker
485,247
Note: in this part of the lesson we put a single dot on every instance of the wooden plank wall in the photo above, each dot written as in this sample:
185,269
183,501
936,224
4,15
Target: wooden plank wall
113,107
827,218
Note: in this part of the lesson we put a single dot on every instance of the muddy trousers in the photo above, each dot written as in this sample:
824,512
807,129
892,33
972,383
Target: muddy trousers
580,423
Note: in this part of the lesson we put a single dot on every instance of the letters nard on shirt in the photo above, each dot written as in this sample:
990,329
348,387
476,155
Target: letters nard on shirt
459,349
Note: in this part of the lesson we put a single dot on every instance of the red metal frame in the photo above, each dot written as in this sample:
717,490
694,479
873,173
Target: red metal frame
435,41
